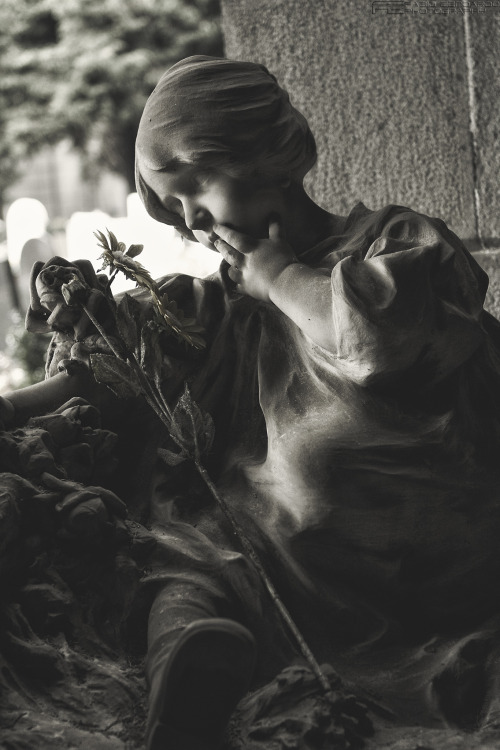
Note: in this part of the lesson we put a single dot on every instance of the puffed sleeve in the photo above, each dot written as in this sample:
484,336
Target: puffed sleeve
411,300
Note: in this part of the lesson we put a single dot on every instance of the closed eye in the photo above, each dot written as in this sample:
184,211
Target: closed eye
200,179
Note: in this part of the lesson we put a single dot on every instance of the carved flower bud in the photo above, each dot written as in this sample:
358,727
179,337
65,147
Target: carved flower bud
134,250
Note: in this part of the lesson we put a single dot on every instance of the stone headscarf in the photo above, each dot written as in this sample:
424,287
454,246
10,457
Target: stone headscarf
224,115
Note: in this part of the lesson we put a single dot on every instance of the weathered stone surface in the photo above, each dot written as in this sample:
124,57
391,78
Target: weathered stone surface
490,261
386,97
417,738
291,712
73,627
485,42
66,679
72,640
71,645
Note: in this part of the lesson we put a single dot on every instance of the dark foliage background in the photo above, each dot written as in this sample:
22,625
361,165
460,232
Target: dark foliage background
83,70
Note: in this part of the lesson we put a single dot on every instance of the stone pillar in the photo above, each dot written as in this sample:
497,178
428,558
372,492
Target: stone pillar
484,45
402,96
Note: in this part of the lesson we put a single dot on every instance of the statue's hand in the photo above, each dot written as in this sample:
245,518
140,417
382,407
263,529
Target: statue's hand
255,263
85,510
80,354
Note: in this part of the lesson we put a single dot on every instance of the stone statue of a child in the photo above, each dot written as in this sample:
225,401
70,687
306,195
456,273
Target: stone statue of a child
353,378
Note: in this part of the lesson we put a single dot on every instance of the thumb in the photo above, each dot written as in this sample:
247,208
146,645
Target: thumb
276,228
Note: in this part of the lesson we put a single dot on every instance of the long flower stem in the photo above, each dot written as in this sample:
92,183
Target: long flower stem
250,551
103,332
157,402
112,278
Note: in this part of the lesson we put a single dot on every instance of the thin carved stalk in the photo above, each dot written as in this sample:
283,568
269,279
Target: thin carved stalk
157,402
102,332
160,407
250,551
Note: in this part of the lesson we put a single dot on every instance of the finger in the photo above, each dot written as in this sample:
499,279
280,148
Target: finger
232,256
54,483
75,498
276,228
75,401
234,274
88,519
111,501
47,497
239,241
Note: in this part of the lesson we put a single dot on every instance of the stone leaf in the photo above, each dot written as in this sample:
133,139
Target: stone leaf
195,428
151,355
128,314
171,458
116,374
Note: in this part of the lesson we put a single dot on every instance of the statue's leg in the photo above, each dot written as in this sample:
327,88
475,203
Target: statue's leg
212,621
199,664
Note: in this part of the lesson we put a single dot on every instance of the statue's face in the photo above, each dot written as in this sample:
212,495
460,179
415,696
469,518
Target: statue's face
205,198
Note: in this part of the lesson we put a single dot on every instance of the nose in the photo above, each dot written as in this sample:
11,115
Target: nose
197,217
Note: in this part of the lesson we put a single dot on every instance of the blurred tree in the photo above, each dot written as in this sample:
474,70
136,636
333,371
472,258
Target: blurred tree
82,69
24,355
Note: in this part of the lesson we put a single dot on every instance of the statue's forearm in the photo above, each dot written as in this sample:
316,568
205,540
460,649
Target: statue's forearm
304,294
50,394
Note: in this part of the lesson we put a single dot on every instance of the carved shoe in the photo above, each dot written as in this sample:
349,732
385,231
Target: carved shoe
207,673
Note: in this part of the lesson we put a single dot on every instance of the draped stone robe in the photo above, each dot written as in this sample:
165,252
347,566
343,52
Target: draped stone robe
367,476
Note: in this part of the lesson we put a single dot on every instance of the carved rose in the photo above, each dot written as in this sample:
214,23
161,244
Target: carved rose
58,291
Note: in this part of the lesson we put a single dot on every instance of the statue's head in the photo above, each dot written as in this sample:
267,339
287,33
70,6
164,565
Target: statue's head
219,117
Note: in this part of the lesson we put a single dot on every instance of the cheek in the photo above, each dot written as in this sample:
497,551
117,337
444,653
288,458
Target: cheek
246,215
256,219
246,210
222,206
259,208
